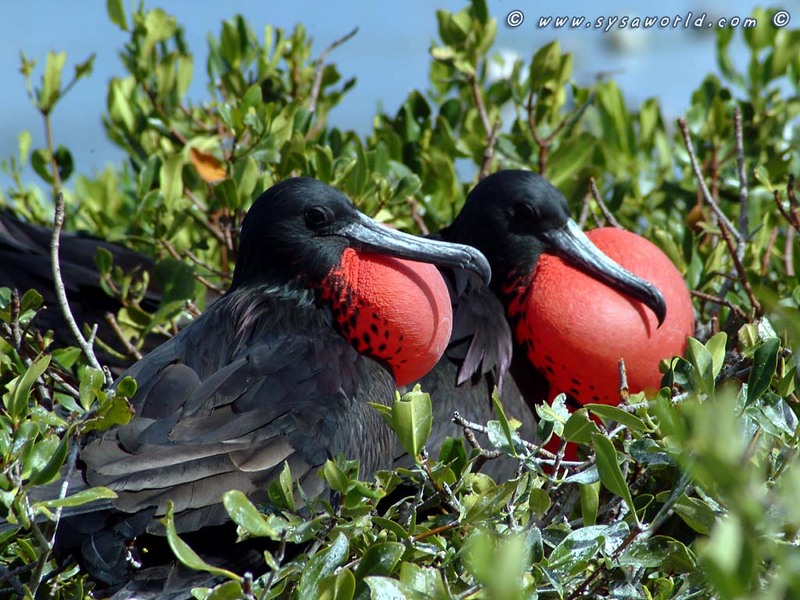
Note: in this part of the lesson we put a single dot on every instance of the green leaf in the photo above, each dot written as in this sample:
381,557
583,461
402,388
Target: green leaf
103,260
40,161
177,280
281,491
380,559
116,13
79,499
660,552
579,427
230,590
185,554
341,586
246,515
64,163
50,470
412,418
20,389
171,181
386,588
51,81
574,552
609,471
590,502
697,514
126,387
702,373
114,410
321,565
31,300
765,363
501,416
24,141
90,386
337,479
716,347
614,413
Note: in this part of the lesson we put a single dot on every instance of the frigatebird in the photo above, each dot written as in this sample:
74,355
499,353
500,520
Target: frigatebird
277,370
513,217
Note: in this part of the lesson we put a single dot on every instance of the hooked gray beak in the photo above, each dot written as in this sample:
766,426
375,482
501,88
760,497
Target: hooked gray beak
572,245
369,235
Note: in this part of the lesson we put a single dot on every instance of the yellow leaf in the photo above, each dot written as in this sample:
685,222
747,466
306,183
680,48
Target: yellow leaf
208,166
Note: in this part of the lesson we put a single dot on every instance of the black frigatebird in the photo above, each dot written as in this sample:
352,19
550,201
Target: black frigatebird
280,369
515,217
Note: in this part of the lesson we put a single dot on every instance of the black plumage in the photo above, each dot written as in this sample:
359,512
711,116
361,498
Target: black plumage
512,217
261,378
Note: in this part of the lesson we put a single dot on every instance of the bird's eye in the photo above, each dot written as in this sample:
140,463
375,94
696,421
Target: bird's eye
318,216
525,213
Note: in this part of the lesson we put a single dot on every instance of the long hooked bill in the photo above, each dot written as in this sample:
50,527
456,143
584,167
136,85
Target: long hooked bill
571,244
369,235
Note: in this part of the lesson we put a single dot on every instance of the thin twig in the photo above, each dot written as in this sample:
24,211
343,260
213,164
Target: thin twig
788,252
314,97
599,199
129,348
727,230
61,294
773,237
624,391
174,254
544,144
793,214
737,262
743,218
584,212
721,301
488,153
478,98
704,188
278,560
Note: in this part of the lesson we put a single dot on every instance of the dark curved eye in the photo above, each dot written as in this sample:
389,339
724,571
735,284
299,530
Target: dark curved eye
525,213
318,216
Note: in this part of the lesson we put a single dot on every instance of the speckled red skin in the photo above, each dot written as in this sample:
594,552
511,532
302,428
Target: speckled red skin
578,328
407,330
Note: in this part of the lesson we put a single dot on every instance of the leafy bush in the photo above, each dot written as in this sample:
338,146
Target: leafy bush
688,493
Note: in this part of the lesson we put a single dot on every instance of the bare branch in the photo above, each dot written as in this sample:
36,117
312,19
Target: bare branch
488,153
743,219
773,236
478,98
61,294
703,187
721,301
129,348
599,199
315,89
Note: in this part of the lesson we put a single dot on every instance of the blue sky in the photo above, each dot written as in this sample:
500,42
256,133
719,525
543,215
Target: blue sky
388,57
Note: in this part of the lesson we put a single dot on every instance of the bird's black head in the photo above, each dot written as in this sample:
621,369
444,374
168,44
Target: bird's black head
514,216
507,216
296,231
